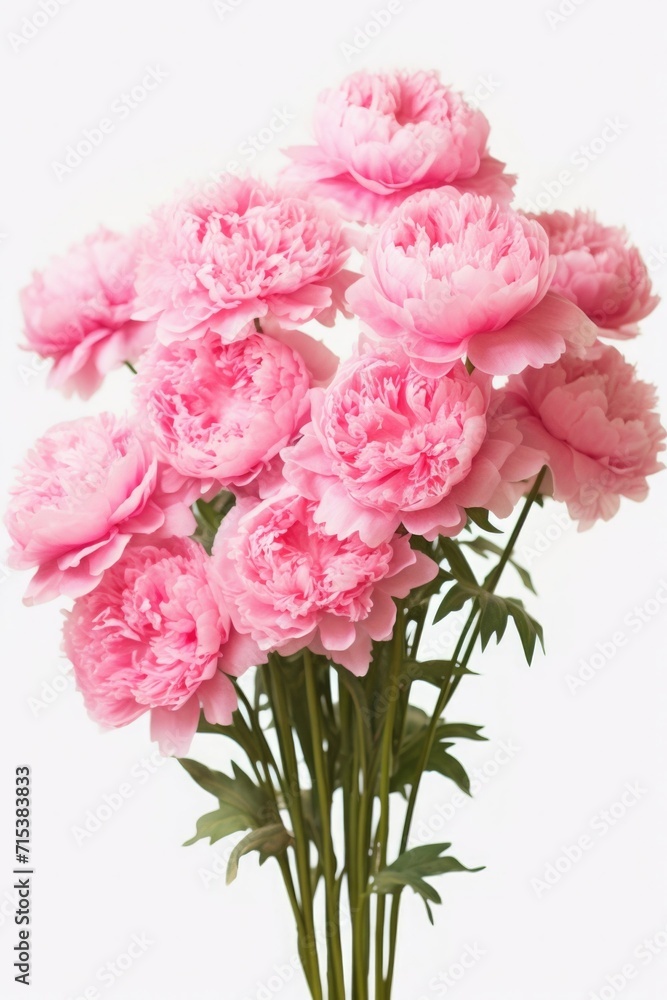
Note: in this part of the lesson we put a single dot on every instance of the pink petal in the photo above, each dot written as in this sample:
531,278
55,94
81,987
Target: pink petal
173,729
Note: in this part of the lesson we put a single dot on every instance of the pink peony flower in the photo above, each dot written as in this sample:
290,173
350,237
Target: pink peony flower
595,421
389,446
449,274
238,250
77,312
289,584
383,136
155,636
86,488
599,271
222,411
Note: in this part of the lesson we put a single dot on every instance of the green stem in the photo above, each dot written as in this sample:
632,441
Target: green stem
266,783
385,785
278,699
443,699
357,838
329,858
131,367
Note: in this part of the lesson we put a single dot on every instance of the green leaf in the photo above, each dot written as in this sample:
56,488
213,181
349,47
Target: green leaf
268,840
439,758
216,825
480,517
436,672
243,804
495,613
461,731
529,630
453,600
422,595
458,563
209,515
444,763
493,617
238,732
413,867
214,782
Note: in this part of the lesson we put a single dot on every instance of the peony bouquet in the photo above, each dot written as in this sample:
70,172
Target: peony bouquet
256,550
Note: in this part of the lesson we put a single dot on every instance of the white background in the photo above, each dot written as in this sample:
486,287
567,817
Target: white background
553,87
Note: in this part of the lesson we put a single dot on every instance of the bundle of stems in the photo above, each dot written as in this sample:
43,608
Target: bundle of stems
315,735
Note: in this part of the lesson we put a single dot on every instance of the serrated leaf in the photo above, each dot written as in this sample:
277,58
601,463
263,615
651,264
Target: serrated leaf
214,782
460,731
493,617
528,628
218,824
243,804
439,758
268,840
413,867
453,600
441,761
436,672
